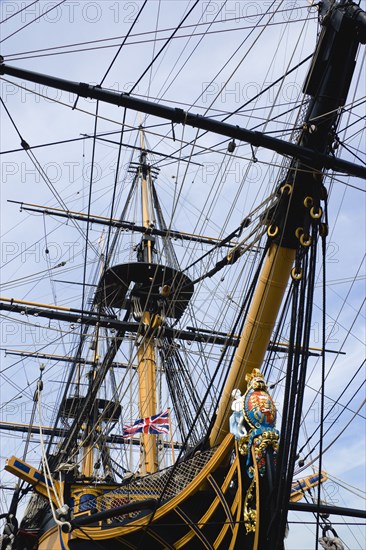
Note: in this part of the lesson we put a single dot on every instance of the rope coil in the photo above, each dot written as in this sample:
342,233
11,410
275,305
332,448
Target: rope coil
330,542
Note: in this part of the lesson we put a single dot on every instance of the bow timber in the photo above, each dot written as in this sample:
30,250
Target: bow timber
230,483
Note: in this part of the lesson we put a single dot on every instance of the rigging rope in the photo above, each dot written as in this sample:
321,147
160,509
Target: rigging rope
19,11
323,376
41,171
300,329
163,47
33,20
334,440
198,135
237,17
344,408
123,43
255,26
60,514
204,149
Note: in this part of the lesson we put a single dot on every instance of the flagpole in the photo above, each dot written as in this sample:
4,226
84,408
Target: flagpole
171,436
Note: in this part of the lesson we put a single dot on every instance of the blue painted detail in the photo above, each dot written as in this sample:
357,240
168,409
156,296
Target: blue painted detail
299,485
253,435
21,466
40,477
85,502
314,479
260,414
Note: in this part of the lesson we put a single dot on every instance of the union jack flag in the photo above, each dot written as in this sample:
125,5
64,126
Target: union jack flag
157,424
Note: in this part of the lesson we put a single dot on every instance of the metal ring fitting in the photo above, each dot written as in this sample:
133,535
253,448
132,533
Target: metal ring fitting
316,214
299,231
296,273
308,201
272,230
305,241
287,187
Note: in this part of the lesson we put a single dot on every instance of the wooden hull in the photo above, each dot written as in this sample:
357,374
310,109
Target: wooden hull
207,513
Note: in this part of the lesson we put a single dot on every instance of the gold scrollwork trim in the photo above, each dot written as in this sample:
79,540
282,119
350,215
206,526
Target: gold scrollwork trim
243,445
250,514
266,439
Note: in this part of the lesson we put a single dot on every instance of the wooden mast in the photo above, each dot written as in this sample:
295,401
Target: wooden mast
344,25
146,350
257,331
298,208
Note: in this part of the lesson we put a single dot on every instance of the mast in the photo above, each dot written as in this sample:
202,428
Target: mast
300,194
146,349
289,236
